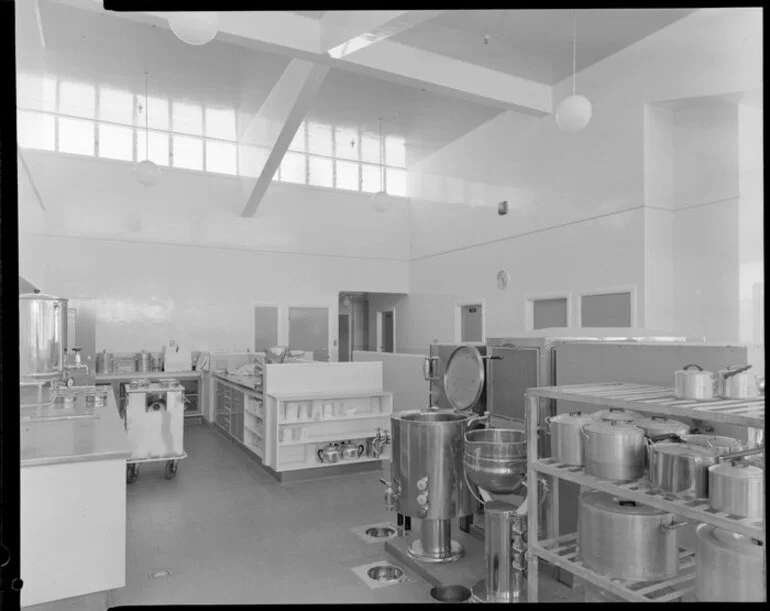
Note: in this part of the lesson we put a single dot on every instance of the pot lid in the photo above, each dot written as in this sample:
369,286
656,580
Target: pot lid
617,415
675,448
718,442
729,540
614,504
738,470
693,370
660,426
464,377
603,427
574,418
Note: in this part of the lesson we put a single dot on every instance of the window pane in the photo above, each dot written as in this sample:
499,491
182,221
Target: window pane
370,178
370,148
188,153
77,99
320,171
610,310
158,147
76,136
116,105
347,175
116,142
299,143
221,157
36,130
293,168
251,160
187,118
549,313
158,118
346,143
395,181
319,139
36,92
220,123
395,152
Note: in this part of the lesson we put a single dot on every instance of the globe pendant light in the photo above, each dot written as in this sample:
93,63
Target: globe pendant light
574,112
380,200
147,172
194,28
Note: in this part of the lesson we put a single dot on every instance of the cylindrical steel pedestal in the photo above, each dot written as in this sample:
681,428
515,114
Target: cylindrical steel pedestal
503,549
435,543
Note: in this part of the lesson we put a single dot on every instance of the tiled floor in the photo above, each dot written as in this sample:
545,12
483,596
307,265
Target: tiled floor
228,533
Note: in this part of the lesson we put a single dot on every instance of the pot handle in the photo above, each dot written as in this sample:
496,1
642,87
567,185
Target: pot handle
698,367
320,457
743,454
583,432
675,525
361,450
547,420
731,372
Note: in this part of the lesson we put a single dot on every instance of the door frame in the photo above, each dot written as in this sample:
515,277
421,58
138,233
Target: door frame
379,329
459,316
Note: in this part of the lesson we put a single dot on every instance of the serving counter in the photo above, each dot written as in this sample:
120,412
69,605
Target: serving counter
73,505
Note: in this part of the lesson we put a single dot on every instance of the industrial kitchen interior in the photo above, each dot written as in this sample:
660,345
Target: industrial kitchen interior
372,306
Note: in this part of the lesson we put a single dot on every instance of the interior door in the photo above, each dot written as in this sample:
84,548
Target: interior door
265,327
388,331
344,337
470,323
309,328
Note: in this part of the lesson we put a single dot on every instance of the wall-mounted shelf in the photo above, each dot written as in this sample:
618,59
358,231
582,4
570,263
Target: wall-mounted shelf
562,550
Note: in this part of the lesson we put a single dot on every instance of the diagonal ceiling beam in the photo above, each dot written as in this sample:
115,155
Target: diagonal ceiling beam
277,121
345,32
299,37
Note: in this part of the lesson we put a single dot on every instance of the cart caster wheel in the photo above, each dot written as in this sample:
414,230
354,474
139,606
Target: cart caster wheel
171,467
132,472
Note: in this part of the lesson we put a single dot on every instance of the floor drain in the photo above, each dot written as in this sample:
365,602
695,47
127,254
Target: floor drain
450,594
160,574
380,532
385,572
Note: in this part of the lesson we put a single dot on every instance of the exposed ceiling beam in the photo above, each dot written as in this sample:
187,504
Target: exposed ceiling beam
345,32
299,37
277,121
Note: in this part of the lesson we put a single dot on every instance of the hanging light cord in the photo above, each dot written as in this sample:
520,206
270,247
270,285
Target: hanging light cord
382,166
146,119
574,52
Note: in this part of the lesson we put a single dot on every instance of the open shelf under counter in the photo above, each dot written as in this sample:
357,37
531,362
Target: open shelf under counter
563,552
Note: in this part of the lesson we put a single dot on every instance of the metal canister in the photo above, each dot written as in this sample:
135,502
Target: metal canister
626,540
615,414
614,451
144,361
104,362
729,567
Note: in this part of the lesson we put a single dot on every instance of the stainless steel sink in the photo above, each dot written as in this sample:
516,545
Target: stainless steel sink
496,459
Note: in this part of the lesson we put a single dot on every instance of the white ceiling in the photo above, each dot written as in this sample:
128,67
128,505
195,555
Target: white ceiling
536,44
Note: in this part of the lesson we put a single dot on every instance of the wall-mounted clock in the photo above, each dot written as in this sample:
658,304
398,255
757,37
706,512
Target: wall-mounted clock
502,280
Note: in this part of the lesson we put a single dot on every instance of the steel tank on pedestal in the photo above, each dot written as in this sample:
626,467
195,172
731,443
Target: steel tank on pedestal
42,345
427,477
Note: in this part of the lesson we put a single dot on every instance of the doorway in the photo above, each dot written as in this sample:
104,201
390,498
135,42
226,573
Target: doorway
386,331
469,322
344,337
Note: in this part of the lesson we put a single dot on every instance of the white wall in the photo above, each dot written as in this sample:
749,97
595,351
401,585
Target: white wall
178,260
579,216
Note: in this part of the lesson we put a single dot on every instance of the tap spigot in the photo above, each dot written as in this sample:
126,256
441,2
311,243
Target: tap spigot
391,495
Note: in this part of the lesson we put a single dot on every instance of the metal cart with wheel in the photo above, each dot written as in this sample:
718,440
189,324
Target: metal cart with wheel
154,421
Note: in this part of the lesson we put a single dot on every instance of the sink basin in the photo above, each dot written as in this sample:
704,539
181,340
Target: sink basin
496,459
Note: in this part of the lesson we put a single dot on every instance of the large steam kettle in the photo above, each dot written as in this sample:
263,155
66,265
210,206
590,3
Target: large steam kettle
330,454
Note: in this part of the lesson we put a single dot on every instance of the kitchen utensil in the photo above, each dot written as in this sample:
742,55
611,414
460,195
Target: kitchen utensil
694,383
615,414
328,410
566,438
729,567
738,487
308,411
351,451
679,467
613,450
337,410
625,540
144,361
104,362
737,383
330,454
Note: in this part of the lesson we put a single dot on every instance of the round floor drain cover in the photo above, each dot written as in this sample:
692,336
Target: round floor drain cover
380,532
450,594
385,572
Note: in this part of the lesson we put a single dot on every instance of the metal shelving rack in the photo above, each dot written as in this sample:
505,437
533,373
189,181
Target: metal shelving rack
562,550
